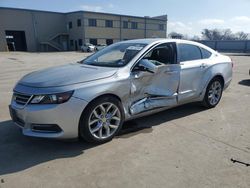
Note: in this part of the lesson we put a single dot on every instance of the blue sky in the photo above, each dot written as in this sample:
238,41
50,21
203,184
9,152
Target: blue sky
188,17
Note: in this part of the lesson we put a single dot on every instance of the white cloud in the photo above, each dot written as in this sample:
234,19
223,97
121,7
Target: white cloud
92,8
180,27
241,19
211,21
236,24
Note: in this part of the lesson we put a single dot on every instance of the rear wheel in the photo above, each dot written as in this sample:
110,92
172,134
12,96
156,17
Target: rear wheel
101,120
213,93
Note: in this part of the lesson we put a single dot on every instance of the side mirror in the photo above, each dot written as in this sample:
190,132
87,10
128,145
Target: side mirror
146,65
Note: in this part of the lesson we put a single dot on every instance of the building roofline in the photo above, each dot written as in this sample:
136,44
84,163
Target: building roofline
31,10
83,11
113,14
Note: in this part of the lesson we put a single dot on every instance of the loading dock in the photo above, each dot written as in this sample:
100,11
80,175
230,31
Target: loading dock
16,40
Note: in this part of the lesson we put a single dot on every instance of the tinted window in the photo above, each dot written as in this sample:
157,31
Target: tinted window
134,25
92,22
109,41
164,53
189,52
93,41
79,23
125,24
205,53
161,27
109,23
70,25
80,42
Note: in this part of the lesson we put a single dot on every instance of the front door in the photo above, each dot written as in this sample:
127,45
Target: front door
159,89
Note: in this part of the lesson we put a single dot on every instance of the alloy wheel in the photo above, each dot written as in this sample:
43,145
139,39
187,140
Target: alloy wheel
104,120
214,93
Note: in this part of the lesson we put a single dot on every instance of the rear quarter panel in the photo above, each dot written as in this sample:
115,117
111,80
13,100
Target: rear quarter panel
219,65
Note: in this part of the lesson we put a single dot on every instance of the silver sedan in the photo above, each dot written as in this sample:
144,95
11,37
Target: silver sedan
92,98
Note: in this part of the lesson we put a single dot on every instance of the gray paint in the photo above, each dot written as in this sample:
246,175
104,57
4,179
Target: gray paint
140,92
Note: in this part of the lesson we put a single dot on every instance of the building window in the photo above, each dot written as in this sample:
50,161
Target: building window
79,22
79,42
71,42
161,27
70,25
125,24
109,23
109,41
92,22
134,25
93,41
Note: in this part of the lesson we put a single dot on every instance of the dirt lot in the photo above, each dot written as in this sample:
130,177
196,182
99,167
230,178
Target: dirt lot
186,146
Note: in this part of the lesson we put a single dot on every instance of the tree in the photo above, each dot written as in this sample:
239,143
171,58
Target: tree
223,34
175,35
241,35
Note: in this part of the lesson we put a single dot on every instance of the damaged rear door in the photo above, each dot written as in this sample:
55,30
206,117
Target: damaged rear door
155,80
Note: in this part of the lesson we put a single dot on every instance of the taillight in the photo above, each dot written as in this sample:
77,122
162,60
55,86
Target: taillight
232,63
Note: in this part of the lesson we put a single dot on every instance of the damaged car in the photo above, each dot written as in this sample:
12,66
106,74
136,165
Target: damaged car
92,98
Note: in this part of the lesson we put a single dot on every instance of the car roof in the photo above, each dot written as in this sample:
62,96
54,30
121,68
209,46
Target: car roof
149,41
155,40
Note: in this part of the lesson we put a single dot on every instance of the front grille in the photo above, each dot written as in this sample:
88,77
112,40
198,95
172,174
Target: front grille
21,99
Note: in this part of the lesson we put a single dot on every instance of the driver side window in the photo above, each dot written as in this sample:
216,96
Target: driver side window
162,54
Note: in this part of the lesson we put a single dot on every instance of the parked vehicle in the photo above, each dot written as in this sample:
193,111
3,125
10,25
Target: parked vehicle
100,47
126,80
87,47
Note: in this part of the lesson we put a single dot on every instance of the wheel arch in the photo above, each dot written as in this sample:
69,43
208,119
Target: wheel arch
220,77
94,99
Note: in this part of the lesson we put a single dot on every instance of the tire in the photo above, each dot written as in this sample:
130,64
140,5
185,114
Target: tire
213,93
101,120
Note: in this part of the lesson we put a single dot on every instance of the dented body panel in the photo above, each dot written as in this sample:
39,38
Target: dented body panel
141,92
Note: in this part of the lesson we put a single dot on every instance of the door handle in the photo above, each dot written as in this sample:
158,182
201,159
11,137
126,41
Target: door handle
170,72
204,65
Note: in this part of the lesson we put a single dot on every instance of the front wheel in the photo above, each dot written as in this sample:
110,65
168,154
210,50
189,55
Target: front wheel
101,120
213,93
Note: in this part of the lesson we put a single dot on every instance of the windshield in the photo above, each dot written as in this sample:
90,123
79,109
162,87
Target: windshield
116,55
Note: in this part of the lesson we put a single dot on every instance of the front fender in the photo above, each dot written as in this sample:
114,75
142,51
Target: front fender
114,86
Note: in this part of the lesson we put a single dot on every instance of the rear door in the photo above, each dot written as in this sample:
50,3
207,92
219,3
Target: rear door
192,70
159,89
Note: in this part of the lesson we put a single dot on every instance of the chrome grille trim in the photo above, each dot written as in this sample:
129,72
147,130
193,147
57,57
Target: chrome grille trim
21,98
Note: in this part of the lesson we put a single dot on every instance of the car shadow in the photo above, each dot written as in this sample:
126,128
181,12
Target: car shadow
245,82
144,125
18,152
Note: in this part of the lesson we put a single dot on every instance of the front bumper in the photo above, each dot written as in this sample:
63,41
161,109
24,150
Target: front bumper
49,120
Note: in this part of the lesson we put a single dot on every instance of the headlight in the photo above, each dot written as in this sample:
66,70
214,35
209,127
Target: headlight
57,98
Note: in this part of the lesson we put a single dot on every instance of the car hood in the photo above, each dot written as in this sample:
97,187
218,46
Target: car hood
66,75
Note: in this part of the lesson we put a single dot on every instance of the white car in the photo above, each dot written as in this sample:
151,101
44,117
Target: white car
88,47
100,47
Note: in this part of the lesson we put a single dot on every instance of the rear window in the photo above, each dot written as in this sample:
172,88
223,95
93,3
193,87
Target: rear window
205,53
188,52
